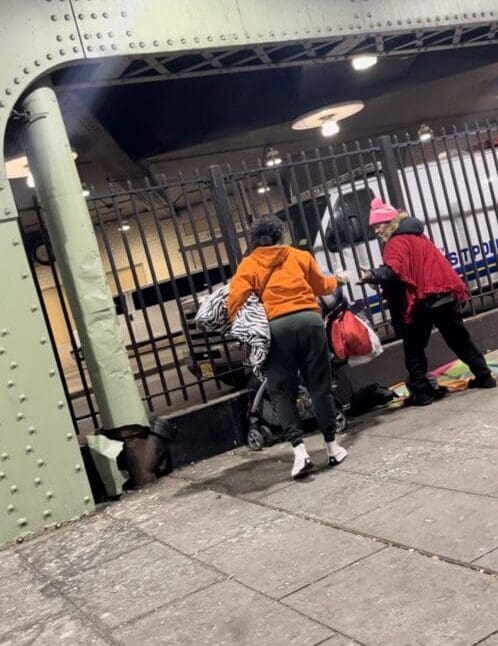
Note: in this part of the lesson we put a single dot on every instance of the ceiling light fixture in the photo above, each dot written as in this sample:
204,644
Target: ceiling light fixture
364,62
327,119
124,226
425,133
329,127
272,157
262,189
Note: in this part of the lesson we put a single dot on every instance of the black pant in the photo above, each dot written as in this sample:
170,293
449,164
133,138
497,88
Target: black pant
416,335
299,345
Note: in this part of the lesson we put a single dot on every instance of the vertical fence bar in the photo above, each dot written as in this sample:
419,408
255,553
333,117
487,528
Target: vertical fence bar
227,226
159,298
483,205
492,240
193,291
138,291
316,212
434,196
202,260
363,224
211,229
451,219
472,209
332,221
171,273
398,147
419,186
462,215
239,203
122,299
390,172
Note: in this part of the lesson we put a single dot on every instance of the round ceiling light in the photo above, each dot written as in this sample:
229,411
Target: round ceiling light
329,127
425,133
364,62
327,119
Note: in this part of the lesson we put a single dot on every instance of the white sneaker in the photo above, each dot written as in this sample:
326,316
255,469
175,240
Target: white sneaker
302,461
335,453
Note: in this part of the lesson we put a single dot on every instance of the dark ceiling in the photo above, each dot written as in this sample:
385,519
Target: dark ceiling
184,117
157,118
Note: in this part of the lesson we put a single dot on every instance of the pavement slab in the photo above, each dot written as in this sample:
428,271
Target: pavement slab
207,518
82,546
339,496
440,425
230,614
136,583
397,598
26,599
449,523
286,554
447,465
64,630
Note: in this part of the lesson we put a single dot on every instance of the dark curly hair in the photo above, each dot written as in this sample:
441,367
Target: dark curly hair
266,231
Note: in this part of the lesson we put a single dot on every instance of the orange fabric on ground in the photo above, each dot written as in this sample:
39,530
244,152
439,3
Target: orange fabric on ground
295,283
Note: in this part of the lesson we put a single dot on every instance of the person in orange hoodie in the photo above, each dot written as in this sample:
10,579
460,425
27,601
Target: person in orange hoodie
288,282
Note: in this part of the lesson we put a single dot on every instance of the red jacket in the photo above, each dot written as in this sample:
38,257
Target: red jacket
421,267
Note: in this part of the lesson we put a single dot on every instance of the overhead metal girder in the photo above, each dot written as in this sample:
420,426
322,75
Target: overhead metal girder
151,69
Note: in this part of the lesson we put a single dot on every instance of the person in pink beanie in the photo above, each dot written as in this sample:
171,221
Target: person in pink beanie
423,291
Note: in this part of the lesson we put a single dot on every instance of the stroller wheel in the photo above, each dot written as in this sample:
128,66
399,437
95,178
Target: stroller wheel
255,439
267,435
341,422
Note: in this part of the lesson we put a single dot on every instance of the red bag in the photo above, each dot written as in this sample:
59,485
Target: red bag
350,337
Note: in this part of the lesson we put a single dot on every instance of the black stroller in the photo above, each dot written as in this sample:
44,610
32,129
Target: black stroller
264,428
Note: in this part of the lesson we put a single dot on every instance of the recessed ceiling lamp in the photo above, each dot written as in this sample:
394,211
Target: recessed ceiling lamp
425,133
364,62
124,226
327,119
262,189
272,157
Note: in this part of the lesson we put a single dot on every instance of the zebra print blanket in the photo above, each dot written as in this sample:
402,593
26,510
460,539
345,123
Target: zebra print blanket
250,324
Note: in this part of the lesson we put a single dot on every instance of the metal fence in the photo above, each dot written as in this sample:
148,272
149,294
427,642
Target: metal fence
167,242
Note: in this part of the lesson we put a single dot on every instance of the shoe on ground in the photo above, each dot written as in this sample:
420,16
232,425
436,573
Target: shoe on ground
419,399
335,453
440,392
483,382
302,462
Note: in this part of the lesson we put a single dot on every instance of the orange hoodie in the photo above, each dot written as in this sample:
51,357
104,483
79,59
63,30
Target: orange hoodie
295,283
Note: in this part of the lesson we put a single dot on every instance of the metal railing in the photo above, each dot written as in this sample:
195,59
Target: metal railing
167,242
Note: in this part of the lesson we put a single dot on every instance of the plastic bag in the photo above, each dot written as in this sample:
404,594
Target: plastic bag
353,340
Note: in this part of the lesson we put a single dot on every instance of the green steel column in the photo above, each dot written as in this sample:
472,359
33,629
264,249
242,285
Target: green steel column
78,259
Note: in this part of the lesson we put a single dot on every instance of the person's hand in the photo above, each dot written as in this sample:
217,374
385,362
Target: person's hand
343,276
365,275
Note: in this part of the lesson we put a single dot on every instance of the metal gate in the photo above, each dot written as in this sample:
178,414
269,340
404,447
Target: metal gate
167,242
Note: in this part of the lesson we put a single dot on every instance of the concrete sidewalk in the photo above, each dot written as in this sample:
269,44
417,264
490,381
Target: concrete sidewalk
398,545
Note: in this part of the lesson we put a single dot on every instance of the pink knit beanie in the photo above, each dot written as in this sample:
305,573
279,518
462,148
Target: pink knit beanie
380,212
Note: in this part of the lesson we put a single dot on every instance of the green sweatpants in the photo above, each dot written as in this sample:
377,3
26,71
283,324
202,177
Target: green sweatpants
299,345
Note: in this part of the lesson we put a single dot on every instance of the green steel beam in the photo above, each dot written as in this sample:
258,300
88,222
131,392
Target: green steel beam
79,263
42,479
